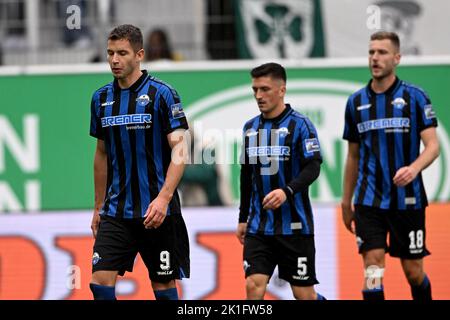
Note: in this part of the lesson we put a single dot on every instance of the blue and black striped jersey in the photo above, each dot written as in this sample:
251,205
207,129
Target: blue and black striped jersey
387,127
134,124
275,151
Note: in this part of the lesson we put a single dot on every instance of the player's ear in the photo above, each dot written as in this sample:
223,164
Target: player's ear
140,54
283,89
398,56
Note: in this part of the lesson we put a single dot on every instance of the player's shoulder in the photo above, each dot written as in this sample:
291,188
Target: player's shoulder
250,123
357,93
162,86
414,90
300,118
102,89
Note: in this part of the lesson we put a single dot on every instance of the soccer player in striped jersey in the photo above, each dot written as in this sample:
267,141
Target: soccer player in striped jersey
138,121
384,125
281,158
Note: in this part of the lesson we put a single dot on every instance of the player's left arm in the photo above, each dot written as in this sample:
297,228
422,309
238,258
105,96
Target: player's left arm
310,159
427,123
430,152
157,210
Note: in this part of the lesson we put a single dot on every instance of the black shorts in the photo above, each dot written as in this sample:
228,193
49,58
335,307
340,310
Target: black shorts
294,255
164,250
406,229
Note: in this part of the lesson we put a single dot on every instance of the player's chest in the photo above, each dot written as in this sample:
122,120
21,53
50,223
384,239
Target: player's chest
132,110
273,143
385,115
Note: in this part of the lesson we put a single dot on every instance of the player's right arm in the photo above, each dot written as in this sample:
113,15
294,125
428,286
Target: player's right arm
100,175
246,185
350,176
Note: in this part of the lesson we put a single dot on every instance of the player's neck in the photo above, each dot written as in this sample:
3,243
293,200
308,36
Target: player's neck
127,82
275,112
380,85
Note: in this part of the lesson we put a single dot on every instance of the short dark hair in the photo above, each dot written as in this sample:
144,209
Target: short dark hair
383,35
128,32
271,69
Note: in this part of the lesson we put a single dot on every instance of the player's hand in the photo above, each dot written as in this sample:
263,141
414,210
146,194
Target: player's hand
240,232
156,213
348,215
404,176
274,199
95,223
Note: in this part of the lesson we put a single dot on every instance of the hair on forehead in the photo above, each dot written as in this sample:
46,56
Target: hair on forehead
271,69
128,32
385,35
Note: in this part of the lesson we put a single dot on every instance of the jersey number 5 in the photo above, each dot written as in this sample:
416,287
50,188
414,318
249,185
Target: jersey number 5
302,268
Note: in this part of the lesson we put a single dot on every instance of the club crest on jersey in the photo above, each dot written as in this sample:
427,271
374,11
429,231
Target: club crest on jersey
143,100
95,258
312,145
398,103
429,112
282,132
177,111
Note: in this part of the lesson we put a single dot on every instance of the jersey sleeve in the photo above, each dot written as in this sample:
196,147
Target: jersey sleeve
350,129
426,115
172,111
309,142
96,129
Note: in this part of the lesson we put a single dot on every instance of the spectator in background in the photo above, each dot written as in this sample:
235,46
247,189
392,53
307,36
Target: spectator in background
158,46
200,182
12,28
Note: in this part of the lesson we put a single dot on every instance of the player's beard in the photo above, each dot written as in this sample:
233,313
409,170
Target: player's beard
385,73
125,72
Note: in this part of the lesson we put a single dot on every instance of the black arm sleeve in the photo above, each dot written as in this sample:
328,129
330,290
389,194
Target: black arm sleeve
246,188
307,176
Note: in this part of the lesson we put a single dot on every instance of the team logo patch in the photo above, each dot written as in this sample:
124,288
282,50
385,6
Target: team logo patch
359,242
177,111
312,145
143,100
304,278
246,265
296,225
398,103
282,132
363,107
251,133
165,272
107,103
429,112
95,258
